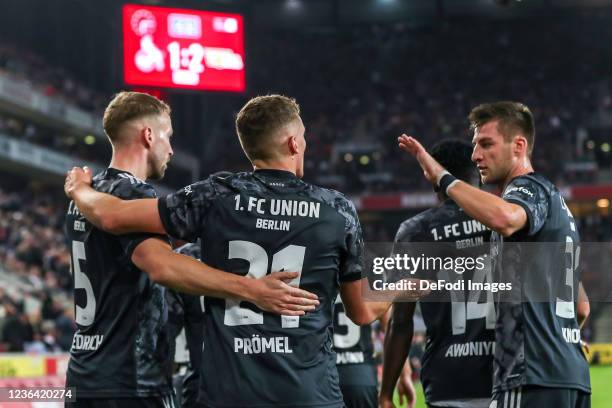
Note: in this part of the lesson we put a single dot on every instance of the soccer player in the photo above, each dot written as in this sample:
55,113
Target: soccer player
449,379
119,355
538,359
357,372
186,316
255,223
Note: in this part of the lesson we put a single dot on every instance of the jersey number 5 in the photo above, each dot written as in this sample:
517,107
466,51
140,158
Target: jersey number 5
84,315
289,259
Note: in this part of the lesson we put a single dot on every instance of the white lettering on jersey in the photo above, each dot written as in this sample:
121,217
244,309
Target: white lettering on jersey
571,335
469,242
86,342
350,357
79,226
286,208
472,348
519,189
261,345
277,225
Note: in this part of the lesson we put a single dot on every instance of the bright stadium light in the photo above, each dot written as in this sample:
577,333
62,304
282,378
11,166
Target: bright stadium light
605,147
364,160
348,157
603,203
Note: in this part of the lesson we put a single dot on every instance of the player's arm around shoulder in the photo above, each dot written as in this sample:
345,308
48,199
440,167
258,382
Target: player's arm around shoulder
108,212
185,274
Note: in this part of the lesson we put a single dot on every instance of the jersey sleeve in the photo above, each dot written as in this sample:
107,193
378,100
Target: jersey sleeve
351,262
128,189
533,198
183,213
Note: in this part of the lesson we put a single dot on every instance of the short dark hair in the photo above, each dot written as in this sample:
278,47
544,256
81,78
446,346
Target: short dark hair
513,117
455,155
126,106
258,121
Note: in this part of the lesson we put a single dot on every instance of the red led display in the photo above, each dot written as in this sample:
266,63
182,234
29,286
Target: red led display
187,49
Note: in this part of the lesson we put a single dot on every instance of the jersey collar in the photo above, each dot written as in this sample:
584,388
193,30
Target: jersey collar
275,173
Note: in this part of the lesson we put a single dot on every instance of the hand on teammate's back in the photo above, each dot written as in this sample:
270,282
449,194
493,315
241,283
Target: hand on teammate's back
431,168
277,296
75,178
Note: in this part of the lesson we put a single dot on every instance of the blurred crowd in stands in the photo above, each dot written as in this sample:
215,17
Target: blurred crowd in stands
83,147
367,85
53,81
362,86
36,312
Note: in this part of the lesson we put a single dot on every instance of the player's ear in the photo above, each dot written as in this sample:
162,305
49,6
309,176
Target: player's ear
293,145
520,144
146,136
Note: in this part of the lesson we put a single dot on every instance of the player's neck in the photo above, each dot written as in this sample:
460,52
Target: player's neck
286,165
522,167
133,162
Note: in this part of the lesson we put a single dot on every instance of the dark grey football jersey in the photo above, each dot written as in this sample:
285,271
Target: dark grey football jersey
537,334
458,358
121,345
186,312
354,350
251,224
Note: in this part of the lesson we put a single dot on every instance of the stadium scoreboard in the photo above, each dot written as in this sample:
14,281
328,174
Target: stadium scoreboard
186,49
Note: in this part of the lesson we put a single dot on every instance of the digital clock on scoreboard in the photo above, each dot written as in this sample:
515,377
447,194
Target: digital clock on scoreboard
188,49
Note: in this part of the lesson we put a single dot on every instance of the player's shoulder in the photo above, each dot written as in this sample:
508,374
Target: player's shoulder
333,198
225,182
214,185
529,185
414,227
123,185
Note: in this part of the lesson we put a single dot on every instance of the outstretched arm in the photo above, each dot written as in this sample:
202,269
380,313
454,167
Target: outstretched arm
502,216
186,274
108,212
